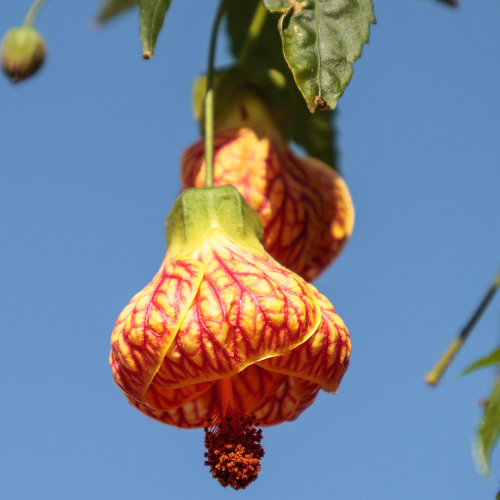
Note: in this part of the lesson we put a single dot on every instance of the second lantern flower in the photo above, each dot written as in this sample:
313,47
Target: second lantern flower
304,206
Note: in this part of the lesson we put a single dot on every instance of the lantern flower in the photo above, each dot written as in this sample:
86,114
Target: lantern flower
224,338
304,206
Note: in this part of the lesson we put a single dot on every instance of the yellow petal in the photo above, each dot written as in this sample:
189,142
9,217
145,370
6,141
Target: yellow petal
338,218
304,206
324,357
191,415
286,400
247,309
273,399
164,398
148,325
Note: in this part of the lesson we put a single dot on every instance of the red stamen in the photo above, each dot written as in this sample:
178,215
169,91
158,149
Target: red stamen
233,444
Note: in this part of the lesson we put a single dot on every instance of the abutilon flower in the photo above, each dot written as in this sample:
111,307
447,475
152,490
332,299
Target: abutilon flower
225,338
304,206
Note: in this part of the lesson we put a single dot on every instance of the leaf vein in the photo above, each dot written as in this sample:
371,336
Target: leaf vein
153,24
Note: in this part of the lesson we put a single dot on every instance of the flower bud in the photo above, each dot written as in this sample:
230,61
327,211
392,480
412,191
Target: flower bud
22,52
304,206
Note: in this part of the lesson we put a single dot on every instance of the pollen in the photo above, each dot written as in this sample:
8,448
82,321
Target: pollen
233,449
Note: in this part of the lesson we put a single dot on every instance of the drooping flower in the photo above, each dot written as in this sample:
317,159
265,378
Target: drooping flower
224,337
304,206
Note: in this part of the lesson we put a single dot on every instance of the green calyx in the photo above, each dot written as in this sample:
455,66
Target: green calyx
22,52
200,212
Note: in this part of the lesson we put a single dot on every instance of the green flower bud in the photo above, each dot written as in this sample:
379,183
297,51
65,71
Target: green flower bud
22,52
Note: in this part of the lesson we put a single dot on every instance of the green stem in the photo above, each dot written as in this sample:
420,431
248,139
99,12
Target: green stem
29,20
209,99
256,25
435,375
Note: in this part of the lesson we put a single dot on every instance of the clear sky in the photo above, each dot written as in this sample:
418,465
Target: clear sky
89,159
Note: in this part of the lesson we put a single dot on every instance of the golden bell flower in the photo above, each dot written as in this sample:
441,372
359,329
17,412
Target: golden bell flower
304,206
224,338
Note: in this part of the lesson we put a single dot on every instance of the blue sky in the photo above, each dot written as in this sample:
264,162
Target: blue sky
89,158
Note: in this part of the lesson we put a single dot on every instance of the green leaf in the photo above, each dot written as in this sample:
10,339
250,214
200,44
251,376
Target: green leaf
315,133
321,41
266,51
152,17
451,3
111,8
276,5
491,359
489,430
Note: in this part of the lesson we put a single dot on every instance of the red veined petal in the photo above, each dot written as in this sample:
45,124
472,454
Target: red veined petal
324,357
246,310
147,326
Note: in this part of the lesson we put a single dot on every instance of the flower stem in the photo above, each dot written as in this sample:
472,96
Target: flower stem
29,20
253,32
435,375
209,99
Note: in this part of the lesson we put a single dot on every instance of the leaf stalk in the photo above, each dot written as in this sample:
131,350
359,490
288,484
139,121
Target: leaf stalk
435,375
254,30
32,14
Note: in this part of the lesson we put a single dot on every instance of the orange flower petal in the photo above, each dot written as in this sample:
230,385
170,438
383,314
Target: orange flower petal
324,357
192,415
273,399
247,309
286,400
250,387
241,159
338,218
304,206
163,398
147,326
